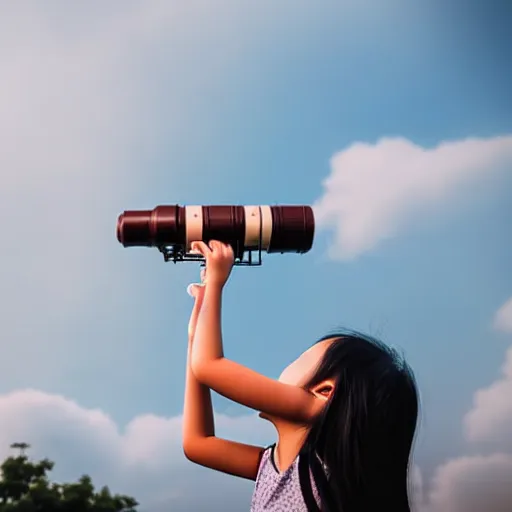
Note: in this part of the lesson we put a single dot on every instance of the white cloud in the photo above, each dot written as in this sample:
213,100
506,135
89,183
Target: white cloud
374,190
144,459
503,317
480,482
472,484
491,416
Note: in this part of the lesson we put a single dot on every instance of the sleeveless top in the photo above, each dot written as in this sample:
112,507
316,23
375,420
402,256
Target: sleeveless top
288,491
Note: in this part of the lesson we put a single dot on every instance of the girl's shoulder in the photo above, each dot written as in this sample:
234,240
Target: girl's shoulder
278,491
266,458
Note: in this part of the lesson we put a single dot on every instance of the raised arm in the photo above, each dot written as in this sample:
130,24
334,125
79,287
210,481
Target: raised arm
199,442
226,377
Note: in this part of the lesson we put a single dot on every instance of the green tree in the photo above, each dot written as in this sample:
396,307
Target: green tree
26,487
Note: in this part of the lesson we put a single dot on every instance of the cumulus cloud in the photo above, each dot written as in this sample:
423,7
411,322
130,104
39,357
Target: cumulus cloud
144,459
491,416
503,317
374,190
472,484
480,482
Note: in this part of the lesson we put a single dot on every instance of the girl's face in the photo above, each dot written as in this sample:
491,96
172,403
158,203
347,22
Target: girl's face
300,371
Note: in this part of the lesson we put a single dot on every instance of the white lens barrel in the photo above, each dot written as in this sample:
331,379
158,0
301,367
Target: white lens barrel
193,225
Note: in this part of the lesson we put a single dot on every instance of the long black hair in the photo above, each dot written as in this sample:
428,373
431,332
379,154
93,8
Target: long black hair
359,448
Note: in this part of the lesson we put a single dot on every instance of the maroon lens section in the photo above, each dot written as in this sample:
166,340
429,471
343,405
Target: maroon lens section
165,225
226,224
293,229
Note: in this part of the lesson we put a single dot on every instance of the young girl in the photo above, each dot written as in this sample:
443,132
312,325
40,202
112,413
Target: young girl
345,413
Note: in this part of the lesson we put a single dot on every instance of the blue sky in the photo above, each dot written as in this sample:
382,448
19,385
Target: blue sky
129,105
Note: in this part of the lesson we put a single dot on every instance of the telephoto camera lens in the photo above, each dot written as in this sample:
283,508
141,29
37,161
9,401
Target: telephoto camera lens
274,229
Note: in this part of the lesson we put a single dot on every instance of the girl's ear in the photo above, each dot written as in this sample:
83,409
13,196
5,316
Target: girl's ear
323,390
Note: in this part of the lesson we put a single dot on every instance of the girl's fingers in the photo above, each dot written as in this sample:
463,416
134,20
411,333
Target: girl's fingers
200,247
212,245
191,290
214,249
194,289
215,246
227,252
220,248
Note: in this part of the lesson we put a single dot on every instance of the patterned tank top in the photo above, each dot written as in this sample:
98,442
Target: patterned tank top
284,492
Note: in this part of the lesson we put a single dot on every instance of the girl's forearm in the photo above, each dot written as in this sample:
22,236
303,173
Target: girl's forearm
207,346
198,420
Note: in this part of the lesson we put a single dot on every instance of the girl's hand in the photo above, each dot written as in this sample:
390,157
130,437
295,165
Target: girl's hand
219,260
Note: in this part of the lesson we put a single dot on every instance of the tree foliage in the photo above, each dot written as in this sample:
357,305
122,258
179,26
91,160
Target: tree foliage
26,487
